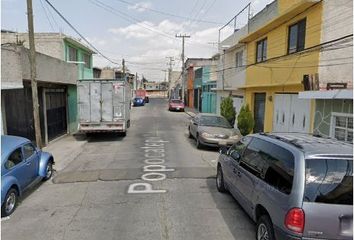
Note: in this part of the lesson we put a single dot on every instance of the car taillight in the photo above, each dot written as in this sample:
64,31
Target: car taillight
295,220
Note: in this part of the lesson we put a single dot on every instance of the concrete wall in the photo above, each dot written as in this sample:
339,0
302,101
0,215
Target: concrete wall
49,69
337,22
50,44
264,16
107,73
233,77
11,68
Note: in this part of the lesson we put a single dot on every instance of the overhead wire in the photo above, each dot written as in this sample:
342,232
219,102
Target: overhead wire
72,27
168,14
46,14
129,18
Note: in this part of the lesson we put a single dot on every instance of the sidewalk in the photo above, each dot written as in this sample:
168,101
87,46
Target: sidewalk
65,149
191,111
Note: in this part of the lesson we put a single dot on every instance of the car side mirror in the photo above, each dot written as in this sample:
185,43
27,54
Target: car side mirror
235,155
223,150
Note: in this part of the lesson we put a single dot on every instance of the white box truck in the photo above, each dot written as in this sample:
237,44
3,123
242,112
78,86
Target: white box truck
103,105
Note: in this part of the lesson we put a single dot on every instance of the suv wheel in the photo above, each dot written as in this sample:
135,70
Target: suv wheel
220,185
10,202
264,229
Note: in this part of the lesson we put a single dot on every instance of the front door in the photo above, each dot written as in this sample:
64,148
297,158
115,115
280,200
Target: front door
259,111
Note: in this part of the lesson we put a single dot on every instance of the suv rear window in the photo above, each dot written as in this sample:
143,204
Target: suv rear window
329,181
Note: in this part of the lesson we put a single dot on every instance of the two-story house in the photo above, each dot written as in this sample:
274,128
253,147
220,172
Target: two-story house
283,49
64,48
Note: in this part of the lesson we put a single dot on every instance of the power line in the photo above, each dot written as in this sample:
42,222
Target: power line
128,18
80,33
45,12
166,13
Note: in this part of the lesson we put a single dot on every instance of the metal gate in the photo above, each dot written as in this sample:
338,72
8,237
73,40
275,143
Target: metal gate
55,102
291,114
208,102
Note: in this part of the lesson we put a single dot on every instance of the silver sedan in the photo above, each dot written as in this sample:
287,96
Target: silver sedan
212,130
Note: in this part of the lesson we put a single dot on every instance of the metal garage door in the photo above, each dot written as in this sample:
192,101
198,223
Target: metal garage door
55,102
291,114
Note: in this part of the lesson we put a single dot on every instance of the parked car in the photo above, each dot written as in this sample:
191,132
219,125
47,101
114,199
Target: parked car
212,130
175,105
294,186
22,166
138,101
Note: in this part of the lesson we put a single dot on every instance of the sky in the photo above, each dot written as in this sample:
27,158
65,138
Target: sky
141,32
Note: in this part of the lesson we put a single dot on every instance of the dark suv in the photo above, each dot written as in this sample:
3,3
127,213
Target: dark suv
294,186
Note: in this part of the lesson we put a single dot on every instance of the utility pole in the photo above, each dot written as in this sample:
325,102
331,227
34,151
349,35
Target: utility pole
123,65
32,58
182,57
136,81
169,76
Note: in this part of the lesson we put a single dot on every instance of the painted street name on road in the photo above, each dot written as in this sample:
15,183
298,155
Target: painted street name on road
154,171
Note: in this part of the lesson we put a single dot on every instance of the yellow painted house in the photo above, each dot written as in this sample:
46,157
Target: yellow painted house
282,58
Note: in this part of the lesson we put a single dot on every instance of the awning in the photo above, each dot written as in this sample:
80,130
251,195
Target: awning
329,94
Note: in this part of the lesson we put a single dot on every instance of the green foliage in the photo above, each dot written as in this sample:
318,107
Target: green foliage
227,110
245,121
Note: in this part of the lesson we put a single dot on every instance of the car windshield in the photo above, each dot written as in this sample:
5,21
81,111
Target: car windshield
214,121
329,181
176,101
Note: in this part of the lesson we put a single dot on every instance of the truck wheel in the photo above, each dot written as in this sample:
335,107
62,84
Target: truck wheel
124,133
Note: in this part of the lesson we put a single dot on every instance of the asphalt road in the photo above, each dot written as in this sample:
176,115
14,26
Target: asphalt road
151,184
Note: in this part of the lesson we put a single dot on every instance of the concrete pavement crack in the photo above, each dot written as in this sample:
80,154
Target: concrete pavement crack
77,211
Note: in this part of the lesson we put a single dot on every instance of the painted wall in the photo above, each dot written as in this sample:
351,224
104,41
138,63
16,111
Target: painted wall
72,108
84,73
324,109
284,74
337,22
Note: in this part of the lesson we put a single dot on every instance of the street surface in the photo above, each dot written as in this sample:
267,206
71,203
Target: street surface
152,184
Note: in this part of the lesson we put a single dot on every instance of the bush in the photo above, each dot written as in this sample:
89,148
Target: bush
245,121
227,110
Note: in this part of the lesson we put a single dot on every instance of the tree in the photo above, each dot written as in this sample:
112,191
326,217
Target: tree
228,110
245,121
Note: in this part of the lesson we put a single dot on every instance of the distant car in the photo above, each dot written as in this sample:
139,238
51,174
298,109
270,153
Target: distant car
176,105
212,130
146,99
138,101
22,166
294,186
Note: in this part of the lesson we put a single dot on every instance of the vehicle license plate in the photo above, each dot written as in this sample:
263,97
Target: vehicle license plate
177,108
222,142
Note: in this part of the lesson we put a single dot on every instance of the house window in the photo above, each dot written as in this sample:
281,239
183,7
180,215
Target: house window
86,60
261,50
72,54
297,33
239,59
342,127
